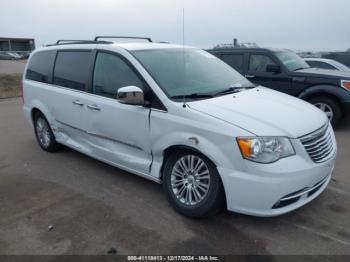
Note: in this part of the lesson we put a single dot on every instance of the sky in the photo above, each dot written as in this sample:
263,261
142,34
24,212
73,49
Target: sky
301,25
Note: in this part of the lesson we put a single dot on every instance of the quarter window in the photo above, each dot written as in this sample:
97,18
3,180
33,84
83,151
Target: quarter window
111,73
72,69
258,63
40,66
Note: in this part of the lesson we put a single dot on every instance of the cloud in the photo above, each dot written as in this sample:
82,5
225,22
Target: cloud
296,24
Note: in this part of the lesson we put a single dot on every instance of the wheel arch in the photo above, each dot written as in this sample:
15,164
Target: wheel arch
37,106
171,149
33,112
326,91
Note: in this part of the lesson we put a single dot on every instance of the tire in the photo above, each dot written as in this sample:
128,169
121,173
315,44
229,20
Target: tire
44,134
330,107
202,190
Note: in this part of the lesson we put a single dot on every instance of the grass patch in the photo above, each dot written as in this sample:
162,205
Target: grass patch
10,85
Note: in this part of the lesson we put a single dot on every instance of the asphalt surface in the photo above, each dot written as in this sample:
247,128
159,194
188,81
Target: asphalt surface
93,207
8,67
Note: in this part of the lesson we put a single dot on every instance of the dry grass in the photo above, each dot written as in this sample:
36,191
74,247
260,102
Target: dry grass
10,85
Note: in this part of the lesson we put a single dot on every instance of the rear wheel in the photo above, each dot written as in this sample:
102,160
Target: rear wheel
330,107
192,184
44,134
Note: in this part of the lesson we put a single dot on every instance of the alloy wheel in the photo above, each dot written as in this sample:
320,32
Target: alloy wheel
326,109
190,180
43,132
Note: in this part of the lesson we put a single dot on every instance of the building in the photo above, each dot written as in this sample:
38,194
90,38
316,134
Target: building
18,45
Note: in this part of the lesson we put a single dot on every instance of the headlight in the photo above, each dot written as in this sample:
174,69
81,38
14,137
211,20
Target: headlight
265,149
345,84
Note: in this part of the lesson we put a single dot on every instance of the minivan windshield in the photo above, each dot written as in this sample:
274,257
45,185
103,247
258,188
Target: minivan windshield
190,72
291,60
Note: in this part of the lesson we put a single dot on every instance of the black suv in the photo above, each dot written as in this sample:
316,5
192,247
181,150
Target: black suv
285,71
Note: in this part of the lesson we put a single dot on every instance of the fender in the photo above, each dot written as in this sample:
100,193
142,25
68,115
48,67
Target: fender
40,106
196,142
332,90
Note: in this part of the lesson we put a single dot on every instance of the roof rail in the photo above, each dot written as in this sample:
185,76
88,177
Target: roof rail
96,40
69,42
61,42
124,37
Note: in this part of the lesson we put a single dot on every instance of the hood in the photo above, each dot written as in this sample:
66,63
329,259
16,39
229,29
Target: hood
324,73
264,112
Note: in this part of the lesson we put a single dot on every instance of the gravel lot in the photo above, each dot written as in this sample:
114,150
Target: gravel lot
9,67
94,207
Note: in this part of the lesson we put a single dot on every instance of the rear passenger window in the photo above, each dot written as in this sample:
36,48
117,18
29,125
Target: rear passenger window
258,63
72,69
111,73
234,60
40,66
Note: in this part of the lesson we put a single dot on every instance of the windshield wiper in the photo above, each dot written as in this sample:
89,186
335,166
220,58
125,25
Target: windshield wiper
194,95
229,90
300,68
232,90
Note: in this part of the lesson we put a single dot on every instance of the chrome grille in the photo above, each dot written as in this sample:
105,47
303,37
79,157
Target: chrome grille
319,144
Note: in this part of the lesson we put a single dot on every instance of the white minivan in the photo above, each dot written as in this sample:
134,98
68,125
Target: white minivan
179,116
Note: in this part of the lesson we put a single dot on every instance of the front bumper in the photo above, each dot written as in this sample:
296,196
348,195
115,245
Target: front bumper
257,195
277,188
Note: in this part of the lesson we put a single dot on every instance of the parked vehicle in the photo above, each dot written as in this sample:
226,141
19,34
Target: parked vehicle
25,55
9,56
285,71
181,117
15,56
342,57
5,56
324,63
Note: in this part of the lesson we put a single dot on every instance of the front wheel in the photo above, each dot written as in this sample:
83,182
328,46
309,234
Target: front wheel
192,184
330,107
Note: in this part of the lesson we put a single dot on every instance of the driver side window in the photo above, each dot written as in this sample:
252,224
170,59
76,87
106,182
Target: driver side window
258,63
111,73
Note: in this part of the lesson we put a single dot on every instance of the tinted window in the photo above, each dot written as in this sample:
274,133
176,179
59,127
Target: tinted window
111,73
40,66
72,69
258,63
234,60
319,64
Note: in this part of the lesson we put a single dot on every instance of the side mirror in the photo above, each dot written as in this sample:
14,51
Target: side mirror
273,68
131,95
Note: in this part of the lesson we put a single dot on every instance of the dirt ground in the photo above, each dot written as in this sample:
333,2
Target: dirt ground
10,85
94,207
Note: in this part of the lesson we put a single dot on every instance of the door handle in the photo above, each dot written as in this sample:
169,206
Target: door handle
77,102
249,76
94,107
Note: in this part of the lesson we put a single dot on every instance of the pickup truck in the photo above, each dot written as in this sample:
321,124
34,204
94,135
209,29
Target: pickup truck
284,71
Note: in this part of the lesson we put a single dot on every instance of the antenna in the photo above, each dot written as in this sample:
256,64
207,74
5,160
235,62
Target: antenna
183,50
183,26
